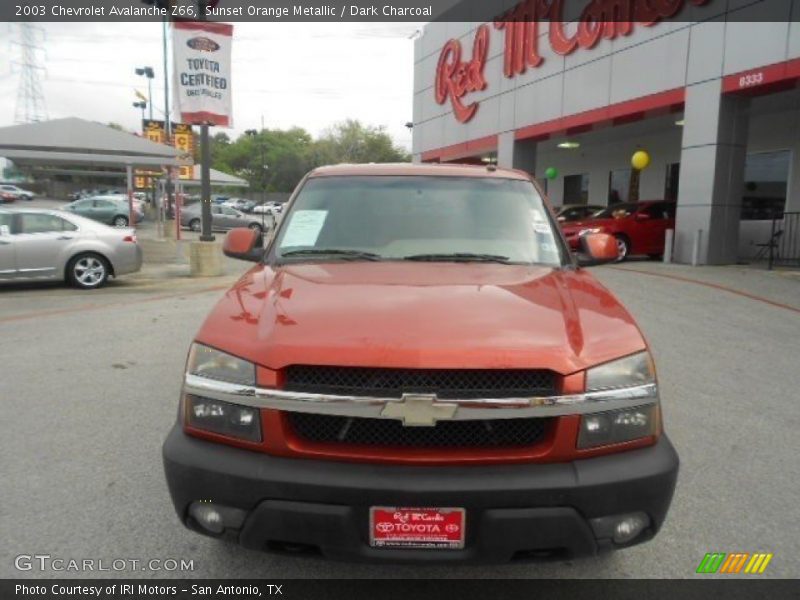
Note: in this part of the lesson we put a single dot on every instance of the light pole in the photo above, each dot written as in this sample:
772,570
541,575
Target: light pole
150,74
262,165
143,106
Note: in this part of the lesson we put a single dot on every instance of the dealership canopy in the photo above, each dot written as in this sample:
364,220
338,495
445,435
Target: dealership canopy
218,178
78,142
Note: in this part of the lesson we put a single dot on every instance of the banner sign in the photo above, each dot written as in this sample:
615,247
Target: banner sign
202,72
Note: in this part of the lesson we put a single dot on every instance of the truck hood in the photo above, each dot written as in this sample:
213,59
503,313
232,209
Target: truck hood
421,315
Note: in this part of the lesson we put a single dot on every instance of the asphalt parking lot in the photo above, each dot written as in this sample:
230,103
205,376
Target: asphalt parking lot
90,383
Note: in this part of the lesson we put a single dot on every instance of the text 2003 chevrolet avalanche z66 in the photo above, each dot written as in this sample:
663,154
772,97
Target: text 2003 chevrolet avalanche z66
418,370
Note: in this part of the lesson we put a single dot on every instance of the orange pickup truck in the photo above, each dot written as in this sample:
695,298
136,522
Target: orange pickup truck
418,369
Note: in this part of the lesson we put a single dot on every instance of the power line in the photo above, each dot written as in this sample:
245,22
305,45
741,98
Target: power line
30,98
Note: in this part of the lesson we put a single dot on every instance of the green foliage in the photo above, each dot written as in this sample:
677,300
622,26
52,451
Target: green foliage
274,160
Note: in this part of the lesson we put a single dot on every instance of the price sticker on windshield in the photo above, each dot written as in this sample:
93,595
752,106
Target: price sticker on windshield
303,230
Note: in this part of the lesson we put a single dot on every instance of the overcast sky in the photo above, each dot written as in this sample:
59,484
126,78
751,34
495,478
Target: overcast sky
305,74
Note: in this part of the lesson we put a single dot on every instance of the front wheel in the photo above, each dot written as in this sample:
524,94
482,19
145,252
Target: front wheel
120,221
623,248
88,271
256,227
194,225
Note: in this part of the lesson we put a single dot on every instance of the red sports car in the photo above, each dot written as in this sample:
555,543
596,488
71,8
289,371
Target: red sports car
639,227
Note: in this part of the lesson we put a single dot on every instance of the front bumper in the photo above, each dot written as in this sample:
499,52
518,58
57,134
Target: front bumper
512,511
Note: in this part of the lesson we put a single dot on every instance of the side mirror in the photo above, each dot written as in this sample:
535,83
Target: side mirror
597,249
244,243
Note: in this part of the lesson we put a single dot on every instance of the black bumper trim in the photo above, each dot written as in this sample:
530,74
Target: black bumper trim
511,509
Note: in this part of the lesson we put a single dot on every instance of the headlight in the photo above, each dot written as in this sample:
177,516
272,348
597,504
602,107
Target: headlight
214,364
623,425
616,426
637,369
224,418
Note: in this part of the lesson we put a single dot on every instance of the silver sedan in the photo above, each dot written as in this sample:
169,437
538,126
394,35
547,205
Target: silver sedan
222,218
42,245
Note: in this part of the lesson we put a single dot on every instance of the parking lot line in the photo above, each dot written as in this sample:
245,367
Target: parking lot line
715,286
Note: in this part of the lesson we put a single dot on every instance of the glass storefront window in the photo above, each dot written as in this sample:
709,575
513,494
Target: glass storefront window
619,186
576,189
766,175
671,183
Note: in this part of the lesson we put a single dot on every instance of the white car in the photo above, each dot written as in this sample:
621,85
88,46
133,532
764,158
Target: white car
47,245
17,191
270,208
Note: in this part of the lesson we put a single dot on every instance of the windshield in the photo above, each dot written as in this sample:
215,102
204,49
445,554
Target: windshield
617,211
418,218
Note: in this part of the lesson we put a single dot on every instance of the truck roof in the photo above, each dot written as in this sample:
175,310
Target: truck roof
429,169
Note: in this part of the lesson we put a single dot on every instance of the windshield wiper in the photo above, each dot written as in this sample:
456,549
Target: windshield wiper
337,252
460,257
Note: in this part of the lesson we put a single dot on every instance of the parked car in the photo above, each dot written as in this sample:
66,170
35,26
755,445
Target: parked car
138,201
639,228
44,245
576,212
274,208
415,354
17,191
7,197
240,204
105,209
223,218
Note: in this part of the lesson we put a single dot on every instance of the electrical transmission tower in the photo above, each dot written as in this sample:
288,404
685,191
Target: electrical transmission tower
30,98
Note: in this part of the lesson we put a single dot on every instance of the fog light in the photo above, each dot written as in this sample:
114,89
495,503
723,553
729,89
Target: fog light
620,528
207,516
629,527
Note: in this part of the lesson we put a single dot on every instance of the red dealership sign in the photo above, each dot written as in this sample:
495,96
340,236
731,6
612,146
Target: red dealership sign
600,19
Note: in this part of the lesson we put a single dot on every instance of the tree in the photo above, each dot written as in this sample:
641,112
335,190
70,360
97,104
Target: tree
275,160
352,142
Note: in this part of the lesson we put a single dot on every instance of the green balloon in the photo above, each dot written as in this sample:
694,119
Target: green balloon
551,173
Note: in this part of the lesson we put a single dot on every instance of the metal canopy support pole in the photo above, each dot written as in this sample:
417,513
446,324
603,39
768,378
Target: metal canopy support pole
168,189
129,172
205,164
205,185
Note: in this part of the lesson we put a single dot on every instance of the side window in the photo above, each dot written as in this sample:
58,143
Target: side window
230,212
655,211
102,204
216,210
41,223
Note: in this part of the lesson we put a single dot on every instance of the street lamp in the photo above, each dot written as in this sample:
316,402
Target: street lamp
253,133
142,105
150,74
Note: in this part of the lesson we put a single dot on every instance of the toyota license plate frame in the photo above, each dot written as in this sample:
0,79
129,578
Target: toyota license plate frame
417,527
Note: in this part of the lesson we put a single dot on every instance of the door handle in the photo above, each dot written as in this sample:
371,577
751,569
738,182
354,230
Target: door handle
65,237
2,243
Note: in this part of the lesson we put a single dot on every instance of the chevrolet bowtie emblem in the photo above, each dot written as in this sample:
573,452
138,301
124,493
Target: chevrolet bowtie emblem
419,410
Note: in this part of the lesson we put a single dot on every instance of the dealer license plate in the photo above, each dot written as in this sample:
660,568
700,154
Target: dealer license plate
417,527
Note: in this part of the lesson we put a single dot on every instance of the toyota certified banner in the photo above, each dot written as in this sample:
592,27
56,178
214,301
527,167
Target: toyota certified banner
202,72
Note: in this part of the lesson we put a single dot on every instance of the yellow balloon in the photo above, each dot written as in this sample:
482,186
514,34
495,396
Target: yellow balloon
640,159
